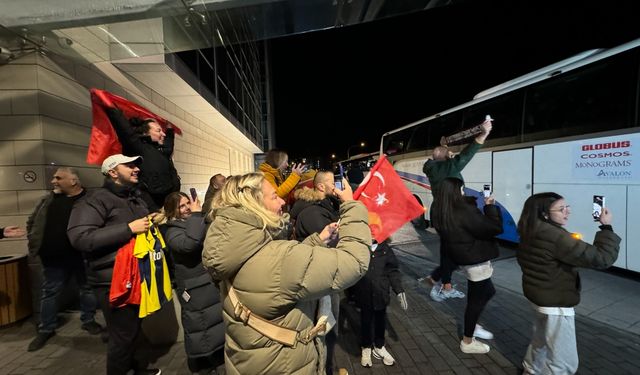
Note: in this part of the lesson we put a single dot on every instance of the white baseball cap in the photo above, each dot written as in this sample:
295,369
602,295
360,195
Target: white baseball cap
114,160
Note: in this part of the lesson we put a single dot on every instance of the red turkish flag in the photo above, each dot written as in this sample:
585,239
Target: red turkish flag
389,202
104,140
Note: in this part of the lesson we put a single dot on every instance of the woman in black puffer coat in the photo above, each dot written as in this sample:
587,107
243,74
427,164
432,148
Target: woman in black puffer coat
199,297
469,238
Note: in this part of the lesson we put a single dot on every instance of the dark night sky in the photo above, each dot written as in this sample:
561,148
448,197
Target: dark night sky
354,83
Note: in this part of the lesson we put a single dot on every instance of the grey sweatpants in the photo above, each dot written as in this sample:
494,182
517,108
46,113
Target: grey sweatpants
553,347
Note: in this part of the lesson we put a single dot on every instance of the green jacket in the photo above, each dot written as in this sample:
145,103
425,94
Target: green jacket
549,263
438,170
281,281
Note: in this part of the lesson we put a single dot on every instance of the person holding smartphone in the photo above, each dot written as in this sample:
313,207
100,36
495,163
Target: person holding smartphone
549,257
201,308
443,165
276,162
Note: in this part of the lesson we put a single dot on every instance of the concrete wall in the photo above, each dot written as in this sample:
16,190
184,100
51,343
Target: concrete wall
45,122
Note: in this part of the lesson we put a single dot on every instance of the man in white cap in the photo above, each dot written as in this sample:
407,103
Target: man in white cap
100,224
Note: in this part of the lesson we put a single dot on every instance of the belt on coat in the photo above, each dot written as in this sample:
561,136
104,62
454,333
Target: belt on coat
283,335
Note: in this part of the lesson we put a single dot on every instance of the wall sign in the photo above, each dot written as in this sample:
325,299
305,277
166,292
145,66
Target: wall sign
30,176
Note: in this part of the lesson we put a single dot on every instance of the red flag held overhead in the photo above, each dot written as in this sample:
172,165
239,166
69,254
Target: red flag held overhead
104,140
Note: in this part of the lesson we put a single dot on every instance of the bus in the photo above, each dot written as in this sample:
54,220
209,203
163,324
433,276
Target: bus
571,127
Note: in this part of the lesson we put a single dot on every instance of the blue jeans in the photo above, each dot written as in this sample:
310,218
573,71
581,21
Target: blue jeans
55,279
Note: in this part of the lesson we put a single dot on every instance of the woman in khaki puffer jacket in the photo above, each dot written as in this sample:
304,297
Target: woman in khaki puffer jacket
278,280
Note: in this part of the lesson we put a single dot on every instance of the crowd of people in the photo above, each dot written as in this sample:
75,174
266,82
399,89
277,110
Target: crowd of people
261,279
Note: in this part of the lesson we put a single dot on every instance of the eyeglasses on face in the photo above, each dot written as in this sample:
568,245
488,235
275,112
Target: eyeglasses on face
562,209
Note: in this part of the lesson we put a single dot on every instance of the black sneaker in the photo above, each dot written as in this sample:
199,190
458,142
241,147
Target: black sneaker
149,371
40,341
92,327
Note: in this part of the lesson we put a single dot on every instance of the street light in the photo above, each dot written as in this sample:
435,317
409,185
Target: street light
350,147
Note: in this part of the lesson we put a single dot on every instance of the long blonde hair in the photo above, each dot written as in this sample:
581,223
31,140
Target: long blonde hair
245,191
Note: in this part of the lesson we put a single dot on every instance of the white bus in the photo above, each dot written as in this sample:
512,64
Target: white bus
571,128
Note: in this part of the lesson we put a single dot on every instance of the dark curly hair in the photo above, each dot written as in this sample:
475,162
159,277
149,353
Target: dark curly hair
141,126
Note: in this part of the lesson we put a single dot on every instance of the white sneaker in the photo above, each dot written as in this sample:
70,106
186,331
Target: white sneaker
383,354
365,360
436,293
476,347
482,333
452,293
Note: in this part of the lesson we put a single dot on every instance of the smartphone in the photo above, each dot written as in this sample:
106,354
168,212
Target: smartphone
598,205
194,194
338,183
486,190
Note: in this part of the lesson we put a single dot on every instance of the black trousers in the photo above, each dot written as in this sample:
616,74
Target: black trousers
123,326
330,340
376,320
446,268
478,295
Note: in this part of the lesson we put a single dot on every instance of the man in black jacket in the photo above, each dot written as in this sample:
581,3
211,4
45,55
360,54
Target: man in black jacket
47,233
314,209
100,224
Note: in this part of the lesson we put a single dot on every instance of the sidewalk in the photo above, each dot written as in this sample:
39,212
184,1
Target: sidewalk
424,339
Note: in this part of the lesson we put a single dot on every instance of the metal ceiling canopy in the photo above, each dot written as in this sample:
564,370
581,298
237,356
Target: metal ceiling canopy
113,30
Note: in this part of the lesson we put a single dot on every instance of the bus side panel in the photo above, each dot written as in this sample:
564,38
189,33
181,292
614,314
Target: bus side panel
478,171
633,227
410,171
512,185
577,171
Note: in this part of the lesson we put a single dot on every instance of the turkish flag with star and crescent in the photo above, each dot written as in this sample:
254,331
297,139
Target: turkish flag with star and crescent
389,202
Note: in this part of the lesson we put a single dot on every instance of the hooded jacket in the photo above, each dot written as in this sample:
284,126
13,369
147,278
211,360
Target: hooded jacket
99,226
550,259
313,211
199,297
280,281
276,179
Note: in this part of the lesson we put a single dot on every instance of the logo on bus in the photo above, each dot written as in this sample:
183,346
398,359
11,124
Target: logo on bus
606,146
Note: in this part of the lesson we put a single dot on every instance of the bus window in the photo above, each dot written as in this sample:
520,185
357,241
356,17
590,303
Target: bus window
396,143
507,113
438,128
596,98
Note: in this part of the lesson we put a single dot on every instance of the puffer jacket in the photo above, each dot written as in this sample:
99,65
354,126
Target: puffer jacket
280,281
312,212
548,262
472,240
276,179
199,297
99,226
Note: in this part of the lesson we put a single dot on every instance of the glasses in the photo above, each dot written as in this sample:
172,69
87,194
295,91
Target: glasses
562,209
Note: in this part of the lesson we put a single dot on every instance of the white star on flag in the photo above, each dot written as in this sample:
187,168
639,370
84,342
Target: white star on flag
381,199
